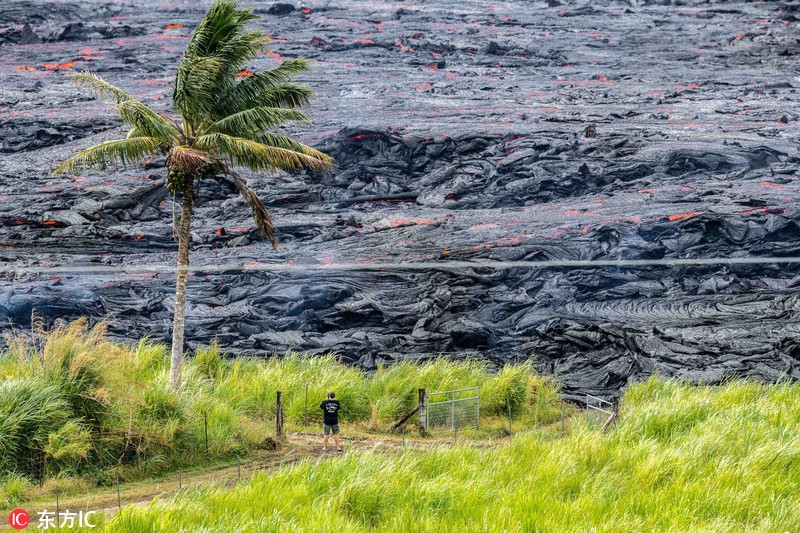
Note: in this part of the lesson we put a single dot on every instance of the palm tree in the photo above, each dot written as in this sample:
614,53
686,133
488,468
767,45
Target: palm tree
224,114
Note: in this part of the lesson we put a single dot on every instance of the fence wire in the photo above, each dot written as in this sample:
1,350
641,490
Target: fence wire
453,410
171,268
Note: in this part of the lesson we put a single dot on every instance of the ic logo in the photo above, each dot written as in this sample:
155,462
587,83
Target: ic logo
19,519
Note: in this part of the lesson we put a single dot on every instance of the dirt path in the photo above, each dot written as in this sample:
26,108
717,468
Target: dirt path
295,447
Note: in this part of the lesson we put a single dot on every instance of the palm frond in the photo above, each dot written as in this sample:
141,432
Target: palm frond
123,152
219,47
264,222
247,91
147,122
245,123
282,141
223,20
100,87
195,90
257,156
286,95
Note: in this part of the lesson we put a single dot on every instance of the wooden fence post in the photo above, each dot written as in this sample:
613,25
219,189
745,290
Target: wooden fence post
279,416
423,413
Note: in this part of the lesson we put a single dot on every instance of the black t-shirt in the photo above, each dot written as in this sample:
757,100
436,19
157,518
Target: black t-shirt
330,409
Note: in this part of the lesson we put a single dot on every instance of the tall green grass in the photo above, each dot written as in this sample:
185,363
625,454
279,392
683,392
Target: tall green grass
74,404
682,459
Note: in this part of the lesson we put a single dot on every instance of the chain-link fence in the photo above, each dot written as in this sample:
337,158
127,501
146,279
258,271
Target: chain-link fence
453,410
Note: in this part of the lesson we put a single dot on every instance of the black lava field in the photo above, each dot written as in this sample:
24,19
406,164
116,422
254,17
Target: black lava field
467,133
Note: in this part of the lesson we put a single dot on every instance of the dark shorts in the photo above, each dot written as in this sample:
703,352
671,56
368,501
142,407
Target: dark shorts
327,429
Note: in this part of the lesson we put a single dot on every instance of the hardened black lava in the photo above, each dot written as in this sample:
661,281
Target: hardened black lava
467,131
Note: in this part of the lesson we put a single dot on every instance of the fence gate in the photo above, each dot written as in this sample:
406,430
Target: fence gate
598,410
452,410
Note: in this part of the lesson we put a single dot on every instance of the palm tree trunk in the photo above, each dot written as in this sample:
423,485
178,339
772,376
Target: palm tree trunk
179,320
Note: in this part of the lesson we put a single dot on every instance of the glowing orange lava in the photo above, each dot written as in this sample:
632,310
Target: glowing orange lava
58,66
681,216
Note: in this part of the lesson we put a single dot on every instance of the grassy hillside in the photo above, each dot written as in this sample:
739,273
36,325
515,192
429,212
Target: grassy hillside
75,406
683,458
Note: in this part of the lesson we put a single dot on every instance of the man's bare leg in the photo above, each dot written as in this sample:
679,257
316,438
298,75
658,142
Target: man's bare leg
325,443
338,446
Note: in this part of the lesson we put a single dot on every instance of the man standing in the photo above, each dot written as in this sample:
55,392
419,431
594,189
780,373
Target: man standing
330,410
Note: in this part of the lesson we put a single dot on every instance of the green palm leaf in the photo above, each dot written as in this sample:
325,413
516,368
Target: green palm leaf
258,119
147,122
219,48
286,95
248,91
123,152
195,90
100,87
287,143
257,156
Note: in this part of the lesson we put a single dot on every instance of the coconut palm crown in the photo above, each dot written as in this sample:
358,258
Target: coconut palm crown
224,118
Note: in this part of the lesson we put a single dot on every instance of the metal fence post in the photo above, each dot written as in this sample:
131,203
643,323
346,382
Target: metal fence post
510,428
587,409
279,415
119,500
453,409
205,428
562,417
238,469
180,478
305,416
423,418
404,437
57,509
478,414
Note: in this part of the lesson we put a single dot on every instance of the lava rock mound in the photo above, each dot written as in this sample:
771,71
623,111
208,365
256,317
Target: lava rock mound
632,165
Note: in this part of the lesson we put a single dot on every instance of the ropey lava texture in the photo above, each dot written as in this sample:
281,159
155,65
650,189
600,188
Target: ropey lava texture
474,131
